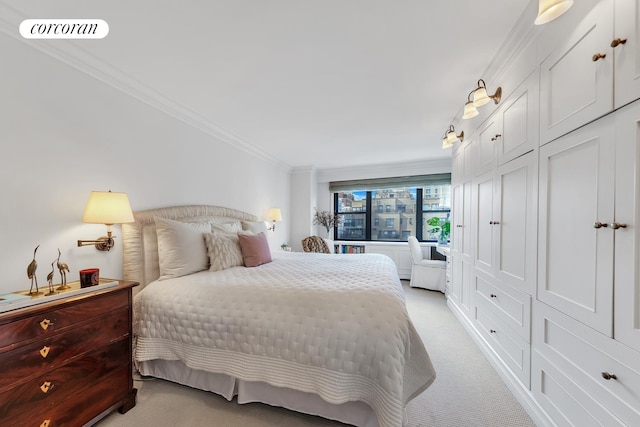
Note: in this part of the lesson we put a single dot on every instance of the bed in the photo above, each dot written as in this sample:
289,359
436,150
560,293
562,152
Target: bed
323,334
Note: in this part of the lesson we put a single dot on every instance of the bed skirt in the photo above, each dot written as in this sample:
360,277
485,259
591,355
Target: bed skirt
354,413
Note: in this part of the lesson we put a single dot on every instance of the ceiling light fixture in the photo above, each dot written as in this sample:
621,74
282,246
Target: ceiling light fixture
481,97
548,10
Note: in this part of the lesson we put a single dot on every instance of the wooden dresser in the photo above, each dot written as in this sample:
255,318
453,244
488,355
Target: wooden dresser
67,362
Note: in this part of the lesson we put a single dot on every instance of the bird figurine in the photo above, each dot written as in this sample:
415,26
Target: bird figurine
31,274
63,268
52,290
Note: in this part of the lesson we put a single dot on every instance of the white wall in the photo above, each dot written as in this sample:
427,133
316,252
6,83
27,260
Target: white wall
65,133
303,200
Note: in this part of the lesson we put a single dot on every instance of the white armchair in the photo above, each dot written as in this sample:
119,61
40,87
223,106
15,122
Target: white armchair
425,273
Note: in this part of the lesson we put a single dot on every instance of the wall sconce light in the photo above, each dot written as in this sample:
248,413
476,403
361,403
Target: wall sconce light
450,137
481,97
548,10
470,110
274,214
105,207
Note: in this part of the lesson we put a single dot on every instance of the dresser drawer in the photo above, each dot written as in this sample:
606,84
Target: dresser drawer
15,330
33,359
585,357
80,408
53,387
509,305
514,351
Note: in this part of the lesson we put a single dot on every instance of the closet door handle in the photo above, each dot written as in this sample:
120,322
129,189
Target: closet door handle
607,376
618,41
598,56
494,222
459,225
599,224
616,225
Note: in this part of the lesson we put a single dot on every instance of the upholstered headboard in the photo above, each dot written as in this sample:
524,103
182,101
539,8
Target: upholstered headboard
140,243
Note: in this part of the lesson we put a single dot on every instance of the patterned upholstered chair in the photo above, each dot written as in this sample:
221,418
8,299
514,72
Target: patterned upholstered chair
315,244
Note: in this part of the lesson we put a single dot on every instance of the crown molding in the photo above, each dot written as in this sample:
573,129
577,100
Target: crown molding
73,55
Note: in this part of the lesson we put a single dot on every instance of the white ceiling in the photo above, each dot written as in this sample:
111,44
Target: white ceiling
328,83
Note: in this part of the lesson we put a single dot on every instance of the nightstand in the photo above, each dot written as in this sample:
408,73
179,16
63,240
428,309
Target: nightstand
67,362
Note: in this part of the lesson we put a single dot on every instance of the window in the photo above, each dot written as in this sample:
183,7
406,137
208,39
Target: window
374,210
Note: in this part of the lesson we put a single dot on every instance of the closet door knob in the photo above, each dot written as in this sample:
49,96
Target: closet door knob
615,225
618,41
493,331
459,225
598,56
495,138
494,222
607,376
493,296
599,224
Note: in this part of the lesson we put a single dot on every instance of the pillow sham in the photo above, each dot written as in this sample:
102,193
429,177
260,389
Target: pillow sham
255,249
181,248
223,250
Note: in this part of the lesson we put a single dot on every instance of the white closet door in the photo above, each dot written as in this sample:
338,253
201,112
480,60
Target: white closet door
515,252
484,223
467,235
575,259
627,240
627,55
574,89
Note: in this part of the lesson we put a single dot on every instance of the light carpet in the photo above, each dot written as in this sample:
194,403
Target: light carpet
466,393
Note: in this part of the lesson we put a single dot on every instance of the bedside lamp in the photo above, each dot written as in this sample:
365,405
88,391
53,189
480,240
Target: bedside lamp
105,207
274,214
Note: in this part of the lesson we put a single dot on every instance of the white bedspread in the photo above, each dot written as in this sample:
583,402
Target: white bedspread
334,325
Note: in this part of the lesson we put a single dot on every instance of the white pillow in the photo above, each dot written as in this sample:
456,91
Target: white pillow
223,250
256,227
181,247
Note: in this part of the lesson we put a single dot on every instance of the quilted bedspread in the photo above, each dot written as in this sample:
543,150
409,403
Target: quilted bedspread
333,325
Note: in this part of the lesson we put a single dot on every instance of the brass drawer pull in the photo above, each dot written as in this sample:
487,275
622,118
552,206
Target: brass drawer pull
44,351
618,41
46,387
615,225
598,56
607,376
45,324
45,423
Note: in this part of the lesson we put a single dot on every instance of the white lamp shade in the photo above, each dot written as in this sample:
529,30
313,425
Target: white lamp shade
480,97
548,10
274,214
470,111
452,137
446,143
105,207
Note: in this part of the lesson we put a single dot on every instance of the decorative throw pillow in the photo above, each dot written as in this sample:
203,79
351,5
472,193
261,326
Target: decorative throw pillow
255,249
223,250
181,248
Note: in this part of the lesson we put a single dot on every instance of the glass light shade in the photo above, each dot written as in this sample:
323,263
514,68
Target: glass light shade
446,143
452,137
470,111
274,214
480,97
548,10
106,207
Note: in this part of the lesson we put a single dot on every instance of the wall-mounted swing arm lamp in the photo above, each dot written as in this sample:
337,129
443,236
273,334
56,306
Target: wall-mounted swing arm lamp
481,97
273,215
106,207
548,10
450,137
470,110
